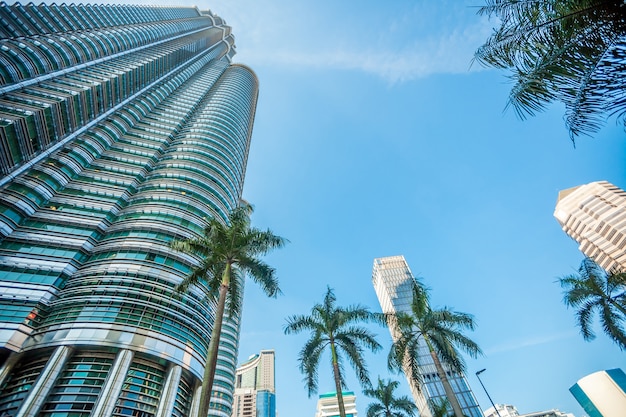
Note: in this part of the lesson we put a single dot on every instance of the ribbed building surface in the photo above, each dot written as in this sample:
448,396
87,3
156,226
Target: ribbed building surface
255,390
393,283
594,215
121,128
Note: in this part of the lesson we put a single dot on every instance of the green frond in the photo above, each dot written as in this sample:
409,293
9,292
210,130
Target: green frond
613,325
337,328
570,51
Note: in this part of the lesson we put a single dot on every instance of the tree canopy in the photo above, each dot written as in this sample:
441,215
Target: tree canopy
572,51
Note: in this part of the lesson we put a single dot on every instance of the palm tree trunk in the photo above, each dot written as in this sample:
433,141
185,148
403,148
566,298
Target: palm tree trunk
333,352
456,407
211,360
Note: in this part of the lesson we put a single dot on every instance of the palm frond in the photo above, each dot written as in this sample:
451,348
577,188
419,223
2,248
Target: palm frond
570,51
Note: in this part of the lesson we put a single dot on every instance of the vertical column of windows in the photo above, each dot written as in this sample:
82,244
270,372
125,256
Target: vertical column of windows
77,388
141,390
17,385
57,22
8,27
182,404
34,26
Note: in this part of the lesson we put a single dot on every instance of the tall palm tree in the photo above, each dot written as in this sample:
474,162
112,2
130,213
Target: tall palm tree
571,51
335,328
441,331
227,253
387,404
593,289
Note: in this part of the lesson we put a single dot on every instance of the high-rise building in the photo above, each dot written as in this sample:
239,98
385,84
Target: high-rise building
327,405
506,410
121,129
594,215
393,283
255,392
602,394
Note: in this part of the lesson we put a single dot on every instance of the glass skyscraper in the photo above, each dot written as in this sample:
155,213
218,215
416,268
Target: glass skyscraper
255,390
121,129
393,283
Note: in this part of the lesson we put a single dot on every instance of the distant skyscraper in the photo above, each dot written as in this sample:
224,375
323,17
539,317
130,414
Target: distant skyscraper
255,392
327,405
121,129
595,216
393,283
602,394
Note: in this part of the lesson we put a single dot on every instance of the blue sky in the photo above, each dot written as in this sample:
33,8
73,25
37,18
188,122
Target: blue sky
374,137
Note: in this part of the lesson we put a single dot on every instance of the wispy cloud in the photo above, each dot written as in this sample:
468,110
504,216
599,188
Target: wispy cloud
513,345
397,50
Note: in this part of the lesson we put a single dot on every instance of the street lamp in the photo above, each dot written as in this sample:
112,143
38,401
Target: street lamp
483,385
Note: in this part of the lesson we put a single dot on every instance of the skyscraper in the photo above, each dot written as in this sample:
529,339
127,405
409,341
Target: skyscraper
121,129
393,283
255,392
594,215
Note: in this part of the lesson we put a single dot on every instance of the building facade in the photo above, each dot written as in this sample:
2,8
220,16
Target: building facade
594,215
602,394
506,410
327,405
121,129
255,391
393,283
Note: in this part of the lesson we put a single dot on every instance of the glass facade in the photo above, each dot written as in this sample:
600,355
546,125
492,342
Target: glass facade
255,392
393,283
121,129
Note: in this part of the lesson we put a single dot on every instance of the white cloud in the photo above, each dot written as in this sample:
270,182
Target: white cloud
533,341
395,52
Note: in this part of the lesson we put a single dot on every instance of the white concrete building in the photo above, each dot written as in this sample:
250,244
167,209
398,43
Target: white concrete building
594,215
327,405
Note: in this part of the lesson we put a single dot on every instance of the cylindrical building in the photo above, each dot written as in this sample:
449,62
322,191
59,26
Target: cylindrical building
121,129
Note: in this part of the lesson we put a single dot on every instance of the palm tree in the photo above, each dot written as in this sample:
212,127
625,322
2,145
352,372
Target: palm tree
388,405
227,253
593,289
441,331
336,328
440,408
571,51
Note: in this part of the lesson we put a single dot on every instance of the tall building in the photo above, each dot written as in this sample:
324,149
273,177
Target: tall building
602,394
393,283
594,215
255,391
121,129
505,410
327,405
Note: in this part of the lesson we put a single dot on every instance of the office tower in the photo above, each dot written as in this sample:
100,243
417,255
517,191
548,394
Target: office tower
255,392
121,129
393,283
594,215
602,394
327,405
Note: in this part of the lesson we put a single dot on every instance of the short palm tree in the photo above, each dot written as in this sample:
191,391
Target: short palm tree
335,328
227,253
387,404
592,289
441,331
571,51
440,408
